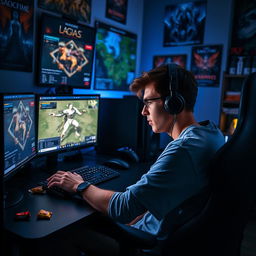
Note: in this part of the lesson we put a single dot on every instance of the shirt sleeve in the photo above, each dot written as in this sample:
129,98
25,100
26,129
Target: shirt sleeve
170,181
124,207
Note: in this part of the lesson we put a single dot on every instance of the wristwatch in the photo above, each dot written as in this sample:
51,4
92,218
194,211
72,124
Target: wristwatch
82,186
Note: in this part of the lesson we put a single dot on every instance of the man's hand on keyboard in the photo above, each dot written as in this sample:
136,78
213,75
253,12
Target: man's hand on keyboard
65,180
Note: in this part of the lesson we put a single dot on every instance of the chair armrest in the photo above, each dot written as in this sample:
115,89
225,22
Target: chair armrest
135,237
124,234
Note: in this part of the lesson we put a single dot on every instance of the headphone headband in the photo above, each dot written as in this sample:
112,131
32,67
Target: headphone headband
173,77
174,103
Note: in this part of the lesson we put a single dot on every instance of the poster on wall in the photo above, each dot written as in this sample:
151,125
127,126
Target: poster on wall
16,35
244,25
184,23
180,60
76,10
206,64
117,10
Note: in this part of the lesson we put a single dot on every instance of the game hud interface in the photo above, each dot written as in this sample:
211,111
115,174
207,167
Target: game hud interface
67,121
19,130
115,58
66,53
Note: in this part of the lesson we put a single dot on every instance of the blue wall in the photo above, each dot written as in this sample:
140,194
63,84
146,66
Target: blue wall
13,81
217,31
145,18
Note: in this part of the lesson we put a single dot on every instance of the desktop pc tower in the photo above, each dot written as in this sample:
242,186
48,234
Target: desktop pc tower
122,125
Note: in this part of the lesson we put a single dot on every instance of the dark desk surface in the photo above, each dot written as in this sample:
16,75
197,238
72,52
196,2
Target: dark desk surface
65,211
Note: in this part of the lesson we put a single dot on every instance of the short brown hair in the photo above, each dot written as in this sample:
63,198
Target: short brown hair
187,85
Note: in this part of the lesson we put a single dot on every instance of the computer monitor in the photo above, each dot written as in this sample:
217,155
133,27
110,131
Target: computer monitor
115,58
67,122
19,131
66,53
18,137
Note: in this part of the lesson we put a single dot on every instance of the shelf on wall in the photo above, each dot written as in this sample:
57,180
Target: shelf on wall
234,76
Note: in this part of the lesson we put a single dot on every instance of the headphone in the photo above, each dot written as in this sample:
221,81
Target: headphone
174,103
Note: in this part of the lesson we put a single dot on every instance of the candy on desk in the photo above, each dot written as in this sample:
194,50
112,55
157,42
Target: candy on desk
37,190
43,214
22,215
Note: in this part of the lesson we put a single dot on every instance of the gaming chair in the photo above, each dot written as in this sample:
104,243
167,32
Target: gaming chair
218,228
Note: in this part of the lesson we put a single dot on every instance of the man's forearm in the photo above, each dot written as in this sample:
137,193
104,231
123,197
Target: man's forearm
98,198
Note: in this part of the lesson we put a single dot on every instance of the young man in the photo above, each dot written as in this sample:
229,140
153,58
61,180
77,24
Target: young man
178,173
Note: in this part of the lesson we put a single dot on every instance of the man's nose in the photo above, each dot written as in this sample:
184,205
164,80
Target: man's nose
144,111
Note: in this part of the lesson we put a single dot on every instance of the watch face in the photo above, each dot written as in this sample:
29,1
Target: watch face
81,187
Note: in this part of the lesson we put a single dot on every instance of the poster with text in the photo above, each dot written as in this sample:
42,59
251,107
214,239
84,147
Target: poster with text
184,23
180,60
206,64
16,35
117,10
77,10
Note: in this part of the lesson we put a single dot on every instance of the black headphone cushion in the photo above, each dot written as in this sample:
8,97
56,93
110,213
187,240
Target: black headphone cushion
174,104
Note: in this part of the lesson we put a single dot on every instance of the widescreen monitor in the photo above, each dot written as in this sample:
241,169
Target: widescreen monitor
18,131
67,122
66,53
115,60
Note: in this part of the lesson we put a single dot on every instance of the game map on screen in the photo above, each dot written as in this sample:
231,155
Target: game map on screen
115,58
66,121
19,130
66,53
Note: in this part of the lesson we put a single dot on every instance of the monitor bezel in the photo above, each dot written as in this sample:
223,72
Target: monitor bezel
67,149
22,164
129,34
40,52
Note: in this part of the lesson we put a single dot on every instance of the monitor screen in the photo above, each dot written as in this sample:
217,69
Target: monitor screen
19,130
66,53
115,58
67,122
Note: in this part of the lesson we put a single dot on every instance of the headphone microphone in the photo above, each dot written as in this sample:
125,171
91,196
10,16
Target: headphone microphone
174,103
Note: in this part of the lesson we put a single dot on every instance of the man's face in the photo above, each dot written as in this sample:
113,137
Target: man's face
157,117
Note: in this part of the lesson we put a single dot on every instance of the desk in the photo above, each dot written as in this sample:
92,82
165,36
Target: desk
65,212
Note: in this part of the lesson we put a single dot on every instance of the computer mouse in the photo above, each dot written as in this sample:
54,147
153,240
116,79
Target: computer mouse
117,163
129,154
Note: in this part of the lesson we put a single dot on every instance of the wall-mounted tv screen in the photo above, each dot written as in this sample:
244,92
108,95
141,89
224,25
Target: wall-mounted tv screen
66,53
115,60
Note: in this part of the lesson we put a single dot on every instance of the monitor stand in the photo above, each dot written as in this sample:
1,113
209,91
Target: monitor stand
75,155
12,196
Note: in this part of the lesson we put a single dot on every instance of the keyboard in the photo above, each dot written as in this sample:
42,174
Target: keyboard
93,174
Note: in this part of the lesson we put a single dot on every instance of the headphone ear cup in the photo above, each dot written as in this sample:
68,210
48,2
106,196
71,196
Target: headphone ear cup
175,104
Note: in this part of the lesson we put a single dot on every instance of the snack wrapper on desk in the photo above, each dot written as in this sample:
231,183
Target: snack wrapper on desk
37,190
22,215
44,215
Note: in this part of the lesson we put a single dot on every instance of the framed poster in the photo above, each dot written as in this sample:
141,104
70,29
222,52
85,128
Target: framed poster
184,23
206,64
76,10
244,28
16,33
180,60
117,10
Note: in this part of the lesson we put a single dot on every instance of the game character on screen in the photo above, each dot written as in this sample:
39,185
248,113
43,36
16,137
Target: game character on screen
20,122
69,115
180,172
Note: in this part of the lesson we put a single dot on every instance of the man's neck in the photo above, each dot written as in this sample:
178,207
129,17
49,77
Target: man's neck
183,120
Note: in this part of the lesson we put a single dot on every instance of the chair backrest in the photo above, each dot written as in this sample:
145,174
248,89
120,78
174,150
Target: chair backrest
218,229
